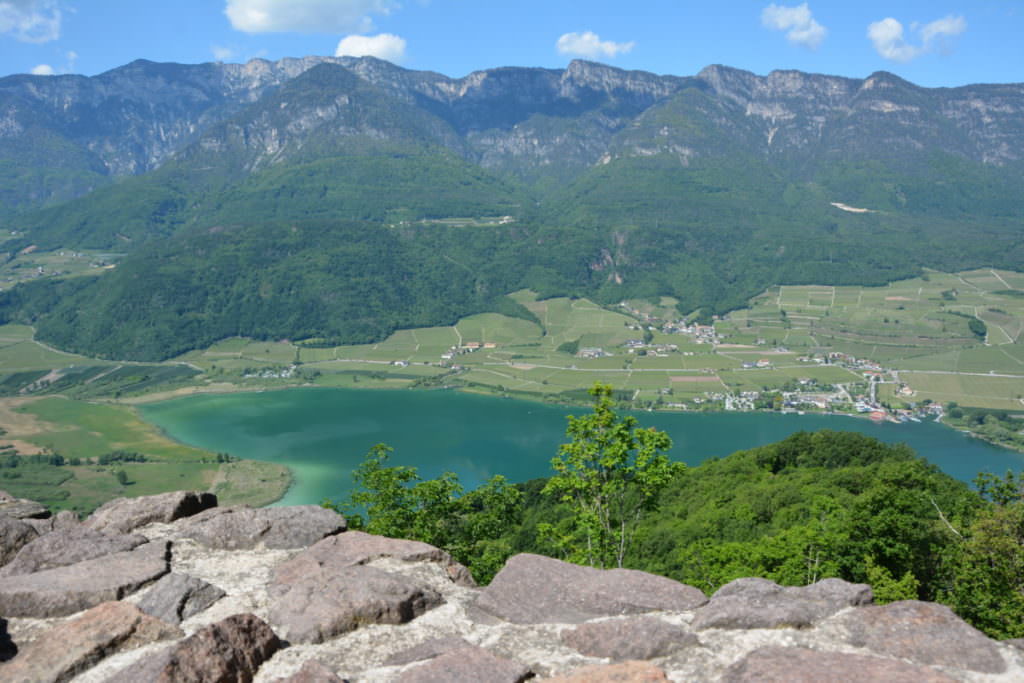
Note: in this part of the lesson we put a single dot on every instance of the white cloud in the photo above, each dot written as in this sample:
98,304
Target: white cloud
588,44
305,16
222,53
934,32
798,23
42,70
383,46
30,21
887,37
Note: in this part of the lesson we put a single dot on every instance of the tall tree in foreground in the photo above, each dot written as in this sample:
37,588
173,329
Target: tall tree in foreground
988,570
610,473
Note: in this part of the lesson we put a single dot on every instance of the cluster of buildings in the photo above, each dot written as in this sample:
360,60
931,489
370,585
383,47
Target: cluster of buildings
465,347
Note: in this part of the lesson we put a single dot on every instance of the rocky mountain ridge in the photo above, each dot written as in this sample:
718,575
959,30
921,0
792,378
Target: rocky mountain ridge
522,121
171,587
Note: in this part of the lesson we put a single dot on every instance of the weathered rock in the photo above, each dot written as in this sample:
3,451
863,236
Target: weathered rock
356,547
176,597
629,638
531,589
922,632
326,602
73,646
65,519
66,590
68,546
230,651
801,665
7,647
123,515
760,603
1015,642
428,649
468,665
312,671
244,527
21,508
623,672
14,535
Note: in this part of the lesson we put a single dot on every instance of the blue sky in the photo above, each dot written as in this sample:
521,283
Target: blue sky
932,43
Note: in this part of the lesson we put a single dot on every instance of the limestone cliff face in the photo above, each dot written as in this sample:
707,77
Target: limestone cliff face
524,121
182,589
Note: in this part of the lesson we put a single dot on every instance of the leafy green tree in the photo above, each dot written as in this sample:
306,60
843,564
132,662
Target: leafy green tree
610,473
987,589
885,587
392,500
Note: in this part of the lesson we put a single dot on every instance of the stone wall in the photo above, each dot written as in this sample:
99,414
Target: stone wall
174,588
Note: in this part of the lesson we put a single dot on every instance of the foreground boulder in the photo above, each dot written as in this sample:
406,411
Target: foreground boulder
354,548
238,528
66,547
628,638
230,651
177,597
922,632
467,665
14,535
428,623
327,602
73,646
760,603
802,665
21,508
124,515
66,590
532,589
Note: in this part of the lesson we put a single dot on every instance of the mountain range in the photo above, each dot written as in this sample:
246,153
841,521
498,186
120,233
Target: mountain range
312,198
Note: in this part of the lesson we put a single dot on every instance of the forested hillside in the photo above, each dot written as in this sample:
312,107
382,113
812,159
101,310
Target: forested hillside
585,182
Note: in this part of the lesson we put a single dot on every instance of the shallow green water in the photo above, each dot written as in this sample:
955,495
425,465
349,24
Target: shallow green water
321,434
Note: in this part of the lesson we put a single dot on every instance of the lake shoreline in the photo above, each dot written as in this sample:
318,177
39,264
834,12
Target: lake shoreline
322,436
228,388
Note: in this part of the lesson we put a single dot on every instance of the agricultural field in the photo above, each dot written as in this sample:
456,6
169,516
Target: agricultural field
31,265
920,325
81,433
924,332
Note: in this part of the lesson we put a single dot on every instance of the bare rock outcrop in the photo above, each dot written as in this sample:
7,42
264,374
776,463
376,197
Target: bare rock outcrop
326,602
14,535
358,548
802,665
73,646
285,603
629,638
760,603
229,651
124,515
466,665
21,508
532,589
922,632
237,528
176,597
64,547
65,590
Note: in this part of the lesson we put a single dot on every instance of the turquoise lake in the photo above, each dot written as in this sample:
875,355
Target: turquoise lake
322,434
